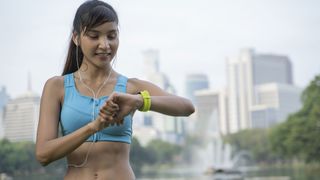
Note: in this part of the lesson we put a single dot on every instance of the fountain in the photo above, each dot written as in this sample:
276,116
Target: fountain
213,156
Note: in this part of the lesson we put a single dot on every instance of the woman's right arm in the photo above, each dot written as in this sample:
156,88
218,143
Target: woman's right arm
50,147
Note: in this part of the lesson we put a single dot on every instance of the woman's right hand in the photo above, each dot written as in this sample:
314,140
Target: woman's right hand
106,116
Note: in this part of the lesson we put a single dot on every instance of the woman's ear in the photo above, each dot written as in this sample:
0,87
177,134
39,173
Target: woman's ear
75,38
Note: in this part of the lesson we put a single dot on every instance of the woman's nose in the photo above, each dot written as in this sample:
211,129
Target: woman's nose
104,43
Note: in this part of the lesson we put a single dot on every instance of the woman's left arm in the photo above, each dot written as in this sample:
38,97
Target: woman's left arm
162,101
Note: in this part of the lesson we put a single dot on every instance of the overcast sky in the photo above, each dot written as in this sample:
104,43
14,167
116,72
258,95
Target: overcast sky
192,36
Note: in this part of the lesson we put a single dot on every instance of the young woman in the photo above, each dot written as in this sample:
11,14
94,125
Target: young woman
94,104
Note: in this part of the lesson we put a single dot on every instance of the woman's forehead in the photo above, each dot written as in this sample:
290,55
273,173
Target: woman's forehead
105,27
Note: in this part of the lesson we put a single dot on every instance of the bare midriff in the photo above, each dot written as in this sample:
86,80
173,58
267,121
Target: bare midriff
106,160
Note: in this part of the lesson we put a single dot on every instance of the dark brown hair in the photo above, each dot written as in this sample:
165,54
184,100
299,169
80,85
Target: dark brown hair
89,15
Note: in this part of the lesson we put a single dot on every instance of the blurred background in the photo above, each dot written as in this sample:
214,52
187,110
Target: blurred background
250,67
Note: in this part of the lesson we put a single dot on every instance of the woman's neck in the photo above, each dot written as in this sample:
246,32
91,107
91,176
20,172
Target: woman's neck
95,74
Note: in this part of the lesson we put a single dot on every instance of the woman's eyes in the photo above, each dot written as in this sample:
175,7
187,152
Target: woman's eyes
92,36
110,36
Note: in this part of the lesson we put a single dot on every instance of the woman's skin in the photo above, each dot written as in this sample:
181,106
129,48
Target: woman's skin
106,160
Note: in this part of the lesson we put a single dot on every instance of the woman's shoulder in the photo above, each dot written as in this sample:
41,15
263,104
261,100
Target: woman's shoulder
55,84
55,81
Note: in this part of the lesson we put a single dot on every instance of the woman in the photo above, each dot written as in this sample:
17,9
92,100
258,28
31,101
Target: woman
94,104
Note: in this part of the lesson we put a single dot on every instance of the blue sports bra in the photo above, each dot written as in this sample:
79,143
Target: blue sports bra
77,109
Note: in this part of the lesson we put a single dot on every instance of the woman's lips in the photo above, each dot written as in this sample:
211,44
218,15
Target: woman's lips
103,56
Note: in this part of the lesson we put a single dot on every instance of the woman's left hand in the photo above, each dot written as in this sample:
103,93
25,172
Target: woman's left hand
127,104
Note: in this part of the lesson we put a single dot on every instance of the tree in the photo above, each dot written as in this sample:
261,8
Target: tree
17,158
139,156
298,137
163,152
254,141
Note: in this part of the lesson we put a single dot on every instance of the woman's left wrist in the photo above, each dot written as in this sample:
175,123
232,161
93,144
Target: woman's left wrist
139,101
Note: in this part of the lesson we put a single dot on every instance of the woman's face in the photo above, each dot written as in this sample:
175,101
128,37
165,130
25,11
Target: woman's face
100,44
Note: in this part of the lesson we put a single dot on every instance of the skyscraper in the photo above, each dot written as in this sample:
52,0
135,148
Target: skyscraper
21,117
244,73
158,125
195,82
273,103
4,98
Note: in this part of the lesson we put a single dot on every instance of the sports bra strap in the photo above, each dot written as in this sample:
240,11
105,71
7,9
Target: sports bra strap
121,85
68,80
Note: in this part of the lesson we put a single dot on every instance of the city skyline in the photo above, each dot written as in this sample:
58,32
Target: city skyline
253,98
191,36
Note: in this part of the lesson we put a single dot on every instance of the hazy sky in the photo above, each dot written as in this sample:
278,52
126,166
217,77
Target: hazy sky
192,36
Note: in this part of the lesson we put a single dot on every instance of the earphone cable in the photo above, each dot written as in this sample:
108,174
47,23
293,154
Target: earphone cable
95,98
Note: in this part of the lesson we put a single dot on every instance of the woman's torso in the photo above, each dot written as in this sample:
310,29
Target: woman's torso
106,159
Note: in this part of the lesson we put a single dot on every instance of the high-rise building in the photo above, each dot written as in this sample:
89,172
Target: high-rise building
269,68
244,74
4,98
240,85
159,126
152,70
273,103
259,94
195,82
21,117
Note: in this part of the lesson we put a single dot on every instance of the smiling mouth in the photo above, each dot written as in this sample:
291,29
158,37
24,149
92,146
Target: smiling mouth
103,54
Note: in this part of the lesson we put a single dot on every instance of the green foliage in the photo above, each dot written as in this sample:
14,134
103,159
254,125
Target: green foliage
139,156
17,158
253,141
298,137
192,142
163,152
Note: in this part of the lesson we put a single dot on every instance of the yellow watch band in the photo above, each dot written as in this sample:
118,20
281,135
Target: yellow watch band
146,101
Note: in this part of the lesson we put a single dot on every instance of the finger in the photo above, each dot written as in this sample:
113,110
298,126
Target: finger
110,120
108,113
103,117
106,118
111,103
109,106
113,108
108,103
